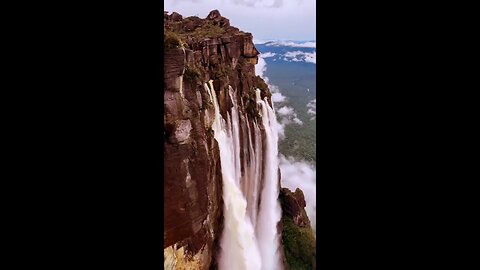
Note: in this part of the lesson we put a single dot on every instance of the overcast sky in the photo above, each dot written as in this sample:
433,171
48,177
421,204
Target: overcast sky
265,19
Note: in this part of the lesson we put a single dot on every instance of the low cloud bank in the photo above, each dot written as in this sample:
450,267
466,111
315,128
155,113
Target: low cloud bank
293,44
288,116
312,108
285,114
268,54
285,111
299,174
299,56
261,67
278,97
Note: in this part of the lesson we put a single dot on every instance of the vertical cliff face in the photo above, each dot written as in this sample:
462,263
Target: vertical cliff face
197,51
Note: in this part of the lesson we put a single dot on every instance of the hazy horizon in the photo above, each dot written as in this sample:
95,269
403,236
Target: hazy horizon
292,20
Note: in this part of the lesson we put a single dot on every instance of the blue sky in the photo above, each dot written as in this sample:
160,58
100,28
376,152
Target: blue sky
265,19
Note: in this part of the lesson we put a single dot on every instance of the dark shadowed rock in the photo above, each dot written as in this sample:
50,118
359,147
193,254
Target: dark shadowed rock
176,17
300,198
224,22
191,23
293,205
214,14
174,65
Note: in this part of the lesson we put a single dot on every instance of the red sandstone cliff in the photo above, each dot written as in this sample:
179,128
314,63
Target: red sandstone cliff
196,51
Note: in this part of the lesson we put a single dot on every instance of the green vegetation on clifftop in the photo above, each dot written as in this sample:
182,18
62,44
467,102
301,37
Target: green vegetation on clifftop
195,29
171,40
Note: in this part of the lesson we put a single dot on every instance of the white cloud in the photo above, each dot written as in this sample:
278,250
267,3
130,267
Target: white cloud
281,131
273,88
293,54
268,54
287,116
293,44
290,120
260,67
297,121
312,108
285,111
311,57
299,174
298,56
278,97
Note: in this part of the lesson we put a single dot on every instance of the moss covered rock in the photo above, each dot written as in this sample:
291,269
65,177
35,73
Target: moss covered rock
299,246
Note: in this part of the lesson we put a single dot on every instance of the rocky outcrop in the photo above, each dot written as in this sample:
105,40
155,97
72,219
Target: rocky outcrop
197,51
293,206
215,16
298,239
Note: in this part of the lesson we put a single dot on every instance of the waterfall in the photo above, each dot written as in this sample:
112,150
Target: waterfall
239,249
235,135
253,173
270,212
249,238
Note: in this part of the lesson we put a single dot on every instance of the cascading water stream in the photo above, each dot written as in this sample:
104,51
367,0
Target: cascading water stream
270,211
236,136
249,239
238,245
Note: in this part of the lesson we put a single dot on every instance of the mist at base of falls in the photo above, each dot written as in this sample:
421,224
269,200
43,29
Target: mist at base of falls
249,239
